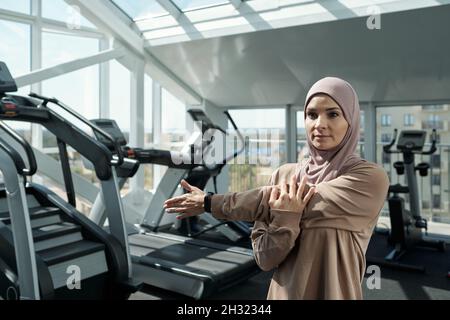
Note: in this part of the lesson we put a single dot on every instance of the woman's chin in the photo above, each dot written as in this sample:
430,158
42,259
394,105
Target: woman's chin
321,146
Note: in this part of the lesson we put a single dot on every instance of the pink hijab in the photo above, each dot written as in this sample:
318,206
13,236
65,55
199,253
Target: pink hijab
325,165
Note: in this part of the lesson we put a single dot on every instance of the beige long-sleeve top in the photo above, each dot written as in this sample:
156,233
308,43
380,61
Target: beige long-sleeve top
319,253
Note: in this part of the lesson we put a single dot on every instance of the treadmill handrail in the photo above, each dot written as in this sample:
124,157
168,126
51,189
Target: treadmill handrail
14,155
28,110
66,108
25,145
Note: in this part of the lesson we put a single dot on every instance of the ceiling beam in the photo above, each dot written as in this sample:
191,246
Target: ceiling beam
106,20
236,3
173,10
63,68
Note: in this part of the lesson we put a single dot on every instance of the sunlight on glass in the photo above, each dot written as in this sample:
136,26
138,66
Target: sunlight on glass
140,9
22,6
186,5
15,48
61,11
60,48
120,96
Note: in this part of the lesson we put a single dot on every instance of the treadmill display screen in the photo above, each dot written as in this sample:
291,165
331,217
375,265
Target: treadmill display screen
7,83
199,115
110,127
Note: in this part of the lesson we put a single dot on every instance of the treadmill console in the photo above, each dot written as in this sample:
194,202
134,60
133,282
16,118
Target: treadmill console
199,115
7,83
411,140
110,127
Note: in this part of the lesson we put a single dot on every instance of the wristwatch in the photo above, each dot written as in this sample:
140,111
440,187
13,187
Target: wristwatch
207,202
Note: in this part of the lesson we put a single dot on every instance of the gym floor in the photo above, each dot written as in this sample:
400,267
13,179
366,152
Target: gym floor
395,284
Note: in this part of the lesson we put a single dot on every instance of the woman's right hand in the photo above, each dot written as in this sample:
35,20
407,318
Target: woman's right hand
187,205
290,197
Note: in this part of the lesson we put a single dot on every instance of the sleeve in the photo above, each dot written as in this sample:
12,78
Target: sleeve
273,239
274,232
351,202
251,205
272,242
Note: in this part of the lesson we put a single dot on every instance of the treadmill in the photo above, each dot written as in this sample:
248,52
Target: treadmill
49,250
181,264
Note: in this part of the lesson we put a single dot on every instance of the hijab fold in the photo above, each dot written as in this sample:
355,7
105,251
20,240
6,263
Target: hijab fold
325,165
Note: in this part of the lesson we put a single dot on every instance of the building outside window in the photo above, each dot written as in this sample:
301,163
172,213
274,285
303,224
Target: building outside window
436,201
385,120
408,120
436,179
436,161
386,138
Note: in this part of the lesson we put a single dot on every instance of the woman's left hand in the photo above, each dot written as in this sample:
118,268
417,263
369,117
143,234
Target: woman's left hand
289,197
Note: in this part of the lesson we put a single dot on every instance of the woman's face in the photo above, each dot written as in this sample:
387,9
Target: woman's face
325,122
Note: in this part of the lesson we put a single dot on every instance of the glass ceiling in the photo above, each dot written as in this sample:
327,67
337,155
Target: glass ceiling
141,9
169,21
186,5
182,20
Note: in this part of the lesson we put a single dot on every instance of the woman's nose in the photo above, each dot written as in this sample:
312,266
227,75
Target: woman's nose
321,122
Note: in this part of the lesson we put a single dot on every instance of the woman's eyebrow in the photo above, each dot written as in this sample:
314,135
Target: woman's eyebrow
328,109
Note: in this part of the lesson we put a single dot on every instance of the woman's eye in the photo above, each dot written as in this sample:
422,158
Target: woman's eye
311,115
333,114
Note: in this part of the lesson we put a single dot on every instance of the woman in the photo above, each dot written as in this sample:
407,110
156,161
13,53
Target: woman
316,242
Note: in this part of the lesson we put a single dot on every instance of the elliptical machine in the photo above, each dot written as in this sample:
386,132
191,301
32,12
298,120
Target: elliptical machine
408,226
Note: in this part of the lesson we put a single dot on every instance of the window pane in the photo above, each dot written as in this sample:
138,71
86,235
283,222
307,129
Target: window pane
302,145
120,102
61,11
59,48
148,129
119,97
173,127
148,111
15,51
433,187
22,6
80,91
360,148
186,5
138,9
264,132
